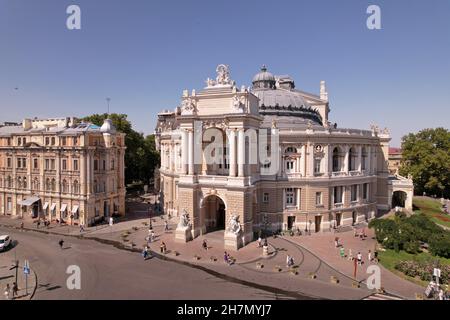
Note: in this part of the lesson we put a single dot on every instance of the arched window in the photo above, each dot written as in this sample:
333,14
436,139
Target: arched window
336,160
10,182
352,159
19,183
95,186
48,185
64,186
35,184
75,187
25,184
53,185
364,158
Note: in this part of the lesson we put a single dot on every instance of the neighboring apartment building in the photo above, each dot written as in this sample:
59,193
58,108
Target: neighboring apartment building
328,176
62,170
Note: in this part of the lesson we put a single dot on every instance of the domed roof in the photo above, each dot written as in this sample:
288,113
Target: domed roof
108,127
263,75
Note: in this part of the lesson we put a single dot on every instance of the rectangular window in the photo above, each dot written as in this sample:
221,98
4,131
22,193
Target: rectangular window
9,162
104,164
64,164
19,162
35,164
365,191
317,163
52,164
75,165
47,141
318,198
63,141
354,193
75,141
337,192
95,165
266,198
47,164
9,204
290,197
24,163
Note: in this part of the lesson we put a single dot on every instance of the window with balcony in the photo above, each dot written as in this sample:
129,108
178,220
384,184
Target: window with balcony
317,166
290,166
266,197
336,160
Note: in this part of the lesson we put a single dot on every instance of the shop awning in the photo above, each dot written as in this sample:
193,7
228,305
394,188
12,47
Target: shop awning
74,209
45,206
29,201
63,207
53,207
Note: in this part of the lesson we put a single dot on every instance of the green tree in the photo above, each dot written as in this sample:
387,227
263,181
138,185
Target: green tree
141,156
426,156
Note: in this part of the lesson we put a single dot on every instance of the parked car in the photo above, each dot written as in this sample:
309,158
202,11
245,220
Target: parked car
5,242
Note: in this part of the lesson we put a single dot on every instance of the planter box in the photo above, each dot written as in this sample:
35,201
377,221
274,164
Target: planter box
334,280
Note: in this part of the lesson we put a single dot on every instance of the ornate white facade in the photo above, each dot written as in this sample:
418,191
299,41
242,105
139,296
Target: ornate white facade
325,176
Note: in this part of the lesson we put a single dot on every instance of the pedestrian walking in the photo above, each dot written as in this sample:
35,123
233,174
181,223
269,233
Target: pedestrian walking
205,245
350,254
369,256
145,253
359,258
289,261
259,242
81,227
166,225
336,242
15,290
342,252
7,292
265,243
375,256
38,224
61,243
163,248
21,226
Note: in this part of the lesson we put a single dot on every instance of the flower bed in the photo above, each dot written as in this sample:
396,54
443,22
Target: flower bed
424,271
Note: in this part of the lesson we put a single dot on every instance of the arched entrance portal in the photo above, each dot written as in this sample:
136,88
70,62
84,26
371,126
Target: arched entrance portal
214,213
399,199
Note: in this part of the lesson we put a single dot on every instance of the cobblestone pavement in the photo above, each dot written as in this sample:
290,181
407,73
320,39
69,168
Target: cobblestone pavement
316,272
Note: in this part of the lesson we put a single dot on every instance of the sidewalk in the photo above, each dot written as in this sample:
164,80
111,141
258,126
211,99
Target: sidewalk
323,246
315,272
8,277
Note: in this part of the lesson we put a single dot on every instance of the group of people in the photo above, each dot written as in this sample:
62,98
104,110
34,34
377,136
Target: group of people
11,292
371,256
289,261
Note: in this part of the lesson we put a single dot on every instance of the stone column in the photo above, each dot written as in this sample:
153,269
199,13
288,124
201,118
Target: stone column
241,153
346,150
359,159
303,161
310,161
232,152
327,163
191,151
184,152
369,159
171,158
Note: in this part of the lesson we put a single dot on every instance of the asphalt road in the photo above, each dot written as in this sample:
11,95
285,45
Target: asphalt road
111,273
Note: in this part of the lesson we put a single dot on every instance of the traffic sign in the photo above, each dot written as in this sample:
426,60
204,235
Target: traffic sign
26,267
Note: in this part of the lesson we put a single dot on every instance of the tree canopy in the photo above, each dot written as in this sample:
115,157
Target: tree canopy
426,156
141,156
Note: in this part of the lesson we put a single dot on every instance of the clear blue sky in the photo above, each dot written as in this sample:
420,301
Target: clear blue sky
142,54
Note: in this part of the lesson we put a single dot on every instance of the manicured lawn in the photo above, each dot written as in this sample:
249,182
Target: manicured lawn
390,258
432,209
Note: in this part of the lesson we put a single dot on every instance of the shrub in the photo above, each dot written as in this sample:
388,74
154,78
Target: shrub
440,244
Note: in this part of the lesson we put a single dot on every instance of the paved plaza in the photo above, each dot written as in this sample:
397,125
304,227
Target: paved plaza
318,271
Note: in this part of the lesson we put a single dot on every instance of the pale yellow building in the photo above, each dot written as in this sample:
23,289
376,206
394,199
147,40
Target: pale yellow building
62,169
321,177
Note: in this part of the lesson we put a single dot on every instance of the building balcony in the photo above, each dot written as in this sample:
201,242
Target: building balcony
355,173
339,174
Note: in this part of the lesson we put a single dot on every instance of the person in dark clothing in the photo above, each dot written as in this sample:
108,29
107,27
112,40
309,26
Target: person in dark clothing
61,243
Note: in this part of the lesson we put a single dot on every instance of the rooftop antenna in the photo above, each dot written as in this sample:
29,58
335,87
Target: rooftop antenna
108,100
